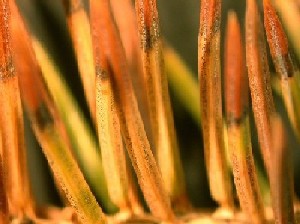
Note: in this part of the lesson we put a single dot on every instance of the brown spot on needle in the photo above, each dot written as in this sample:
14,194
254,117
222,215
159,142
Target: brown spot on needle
148,23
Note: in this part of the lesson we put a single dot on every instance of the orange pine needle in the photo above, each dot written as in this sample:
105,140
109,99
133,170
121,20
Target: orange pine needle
11,126
211,102
279,48
239,140
124,15
79,28
259,79
236,92
160,111
277,41
110,61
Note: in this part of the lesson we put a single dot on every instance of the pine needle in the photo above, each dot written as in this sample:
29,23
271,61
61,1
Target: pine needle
124,14
110,139
79,27
11,125
49,128
161,115
259,80
279,48
290,14
110,61
281,176
112,151
85,147
211,102
239,138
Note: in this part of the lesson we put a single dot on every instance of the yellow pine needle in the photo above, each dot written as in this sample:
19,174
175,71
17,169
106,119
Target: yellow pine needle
79,28
107,44
290,14
211,102
259,79
65,169
113,156
49,128
239,139
11,126
182,83
85,148
160,111
283,63
281,176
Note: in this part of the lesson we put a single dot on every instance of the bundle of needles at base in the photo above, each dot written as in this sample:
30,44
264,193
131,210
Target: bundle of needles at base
102,122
